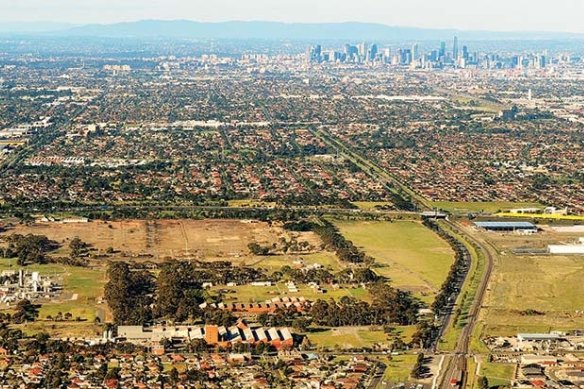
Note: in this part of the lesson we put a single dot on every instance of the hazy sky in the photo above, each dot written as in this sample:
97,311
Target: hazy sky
544,15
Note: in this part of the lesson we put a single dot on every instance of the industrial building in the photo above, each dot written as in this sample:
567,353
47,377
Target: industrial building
568,249
212,334
18,285
523,227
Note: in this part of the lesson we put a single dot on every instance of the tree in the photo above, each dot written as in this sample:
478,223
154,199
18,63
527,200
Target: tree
174,376
256,249
78,247
25,312
128,294
29,248
418,370
178,292
301,324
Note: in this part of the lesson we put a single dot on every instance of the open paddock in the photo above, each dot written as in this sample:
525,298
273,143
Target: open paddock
533,293
413,257
160,239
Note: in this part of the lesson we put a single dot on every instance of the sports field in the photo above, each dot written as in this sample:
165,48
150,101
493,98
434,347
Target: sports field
356,337
409,254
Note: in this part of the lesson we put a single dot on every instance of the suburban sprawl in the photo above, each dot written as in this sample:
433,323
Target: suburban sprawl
323,215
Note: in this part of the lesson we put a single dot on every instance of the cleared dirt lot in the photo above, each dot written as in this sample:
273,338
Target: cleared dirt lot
204,239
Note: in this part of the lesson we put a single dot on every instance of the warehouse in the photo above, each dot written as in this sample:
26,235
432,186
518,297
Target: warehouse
524,227
577,248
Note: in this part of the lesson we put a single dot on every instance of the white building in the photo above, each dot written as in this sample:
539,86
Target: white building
577,248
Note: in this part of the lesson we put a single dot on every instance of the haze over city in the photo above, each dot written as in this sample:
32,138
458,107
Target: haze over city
495,15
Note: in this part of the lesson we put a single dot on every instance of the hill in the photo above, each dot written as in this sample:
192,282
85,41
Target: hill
297,31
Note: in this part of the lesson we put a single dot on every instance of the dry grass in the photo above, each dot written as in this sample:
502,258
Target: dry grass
203,239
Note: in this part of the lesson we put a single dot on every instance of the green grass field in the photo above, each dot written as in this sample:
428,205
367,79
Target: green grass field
399,368
498,374
412,256
489,207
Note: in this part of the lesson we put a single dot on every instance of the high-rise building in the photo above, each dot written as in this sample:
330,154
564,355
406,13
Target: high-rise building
415,52
362,49
314,54
372,53
351,52
442,52
455,49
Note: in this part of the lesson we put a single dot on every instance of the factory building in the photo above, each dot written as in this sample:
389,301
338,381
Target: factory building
568,249
523,227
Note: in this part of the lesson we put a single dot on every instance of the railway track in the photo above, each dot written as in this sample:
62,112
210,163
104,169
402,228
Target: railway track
456,371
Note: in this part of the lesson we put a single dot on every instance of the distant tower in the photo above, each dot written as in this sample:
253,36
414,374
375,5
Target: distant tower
442,52
529,95
415,52
455,48
362,47
372,52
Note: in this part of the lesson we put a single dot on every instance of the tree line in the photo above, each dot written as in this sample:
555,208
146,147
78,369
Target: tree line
457,273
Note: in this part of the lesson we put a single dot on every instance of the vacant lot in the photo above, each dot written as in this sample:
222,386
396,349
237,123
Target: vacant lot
204,239
549,284
412,256
489,207
276,262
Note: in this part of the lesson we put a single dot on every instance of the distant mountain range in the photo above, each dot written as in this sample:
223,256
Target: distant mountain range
32,27
272,30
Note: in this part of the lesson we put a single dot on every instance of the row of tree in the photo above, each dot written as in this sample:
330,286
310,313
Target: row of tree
335,241
457,273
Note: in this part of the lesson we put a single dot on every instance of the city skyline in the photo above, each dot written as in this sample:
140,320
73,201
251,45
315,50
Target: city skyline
517,16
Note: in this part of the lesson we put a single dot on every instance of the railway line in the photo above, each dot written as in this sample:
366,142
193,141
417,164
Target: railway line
456,371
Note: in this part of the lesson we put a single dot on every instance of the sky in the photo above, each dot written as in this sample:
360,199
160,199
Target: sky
495,15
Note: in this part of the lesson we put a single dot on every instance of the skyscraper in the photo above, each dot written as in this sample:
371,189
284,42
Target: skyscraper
372,53
362,49
415,52
442,52
455,48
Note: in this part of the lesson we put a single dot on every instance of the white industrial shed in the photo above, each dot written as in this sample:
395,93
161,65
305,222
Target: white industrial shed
568,248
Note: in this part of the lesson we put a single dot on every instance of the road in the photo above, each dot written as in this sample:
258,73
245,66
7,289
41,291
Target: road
457,367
